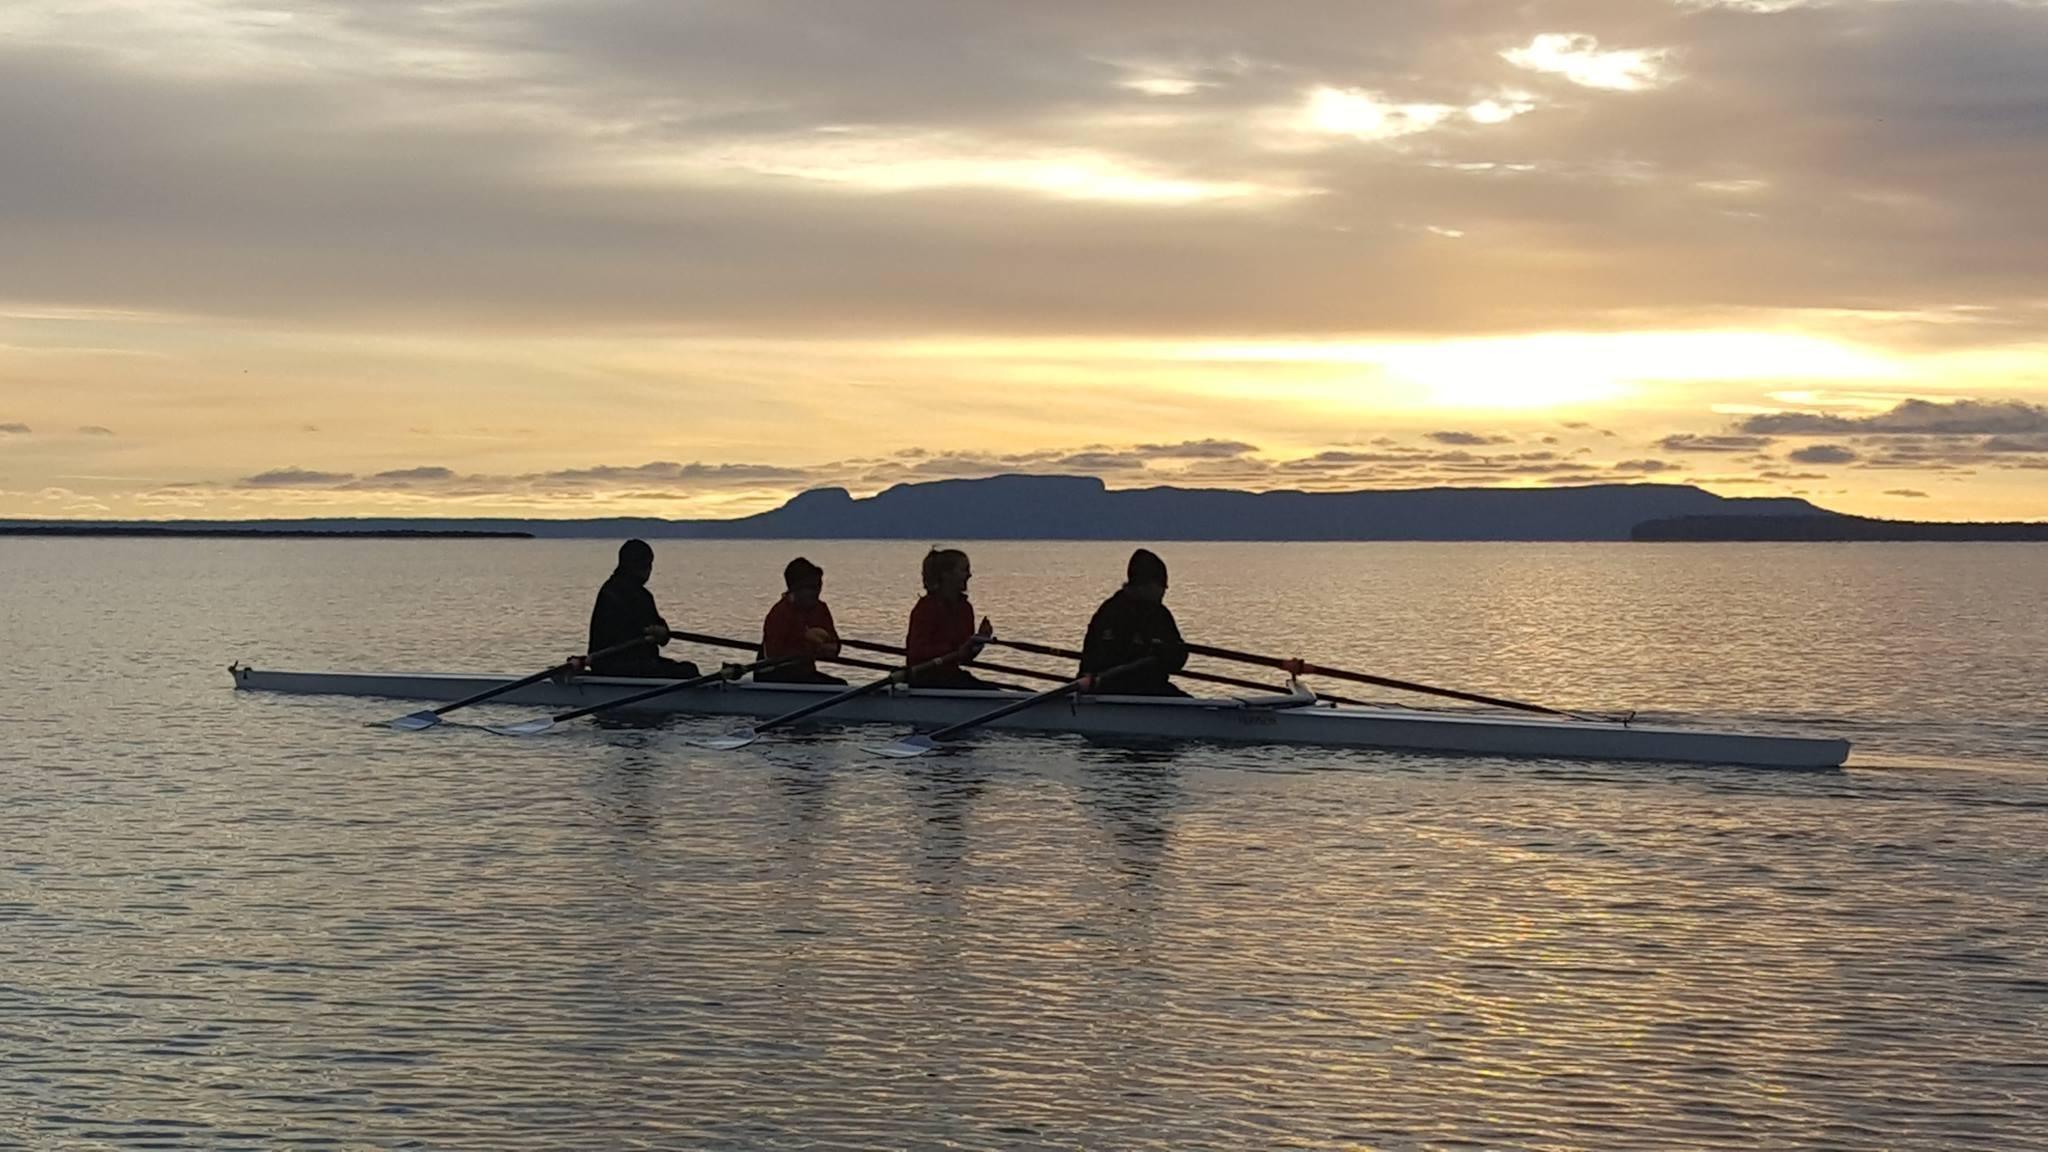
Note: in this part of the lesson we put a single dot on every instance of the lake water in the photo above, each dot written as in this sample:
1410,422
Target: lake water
230,920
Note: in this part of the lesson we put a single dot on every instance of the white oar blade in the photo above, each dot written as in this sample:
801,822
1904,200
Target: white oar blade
532,727
730,742
906,748
416,722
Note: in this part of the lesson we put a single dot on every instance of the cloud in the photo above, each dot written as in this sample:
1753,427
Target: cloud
1822,454
1906,493
668,473
639,162
1910,417
294,478
94,430
1578,58
1196,450
1697,442
427,472
1473,439
14,429
1648,467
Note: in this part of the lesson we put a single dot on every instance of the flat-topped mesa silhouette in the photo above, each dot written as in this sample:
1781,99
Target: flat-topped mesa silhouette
1084,508
1015,507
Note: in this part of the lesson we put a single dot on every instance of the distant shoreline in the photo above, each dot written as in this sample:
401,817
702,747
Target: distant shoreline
1831,530
153,532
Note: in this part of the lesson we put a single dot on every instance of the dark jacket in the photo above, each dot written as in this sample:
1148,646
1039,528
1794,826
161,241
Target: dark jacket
623,611
1127,628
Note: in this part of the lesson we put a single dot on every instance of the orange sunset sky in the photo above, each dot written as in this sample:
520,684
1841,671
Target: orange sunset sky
657,257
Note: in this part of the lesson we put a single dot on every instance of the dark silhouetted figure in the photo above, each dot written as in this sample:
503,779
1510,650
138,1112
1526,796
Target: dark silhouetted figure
625,609
1132,625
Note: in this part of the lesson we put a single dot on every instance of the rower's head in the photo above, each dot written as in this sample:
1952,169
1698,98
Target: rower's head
1145,575
805,581
636,560
946,572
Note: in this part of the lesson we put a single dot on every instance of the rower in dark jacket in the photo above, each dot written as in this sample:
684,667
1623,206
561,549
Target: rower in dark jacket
1132,625
625,609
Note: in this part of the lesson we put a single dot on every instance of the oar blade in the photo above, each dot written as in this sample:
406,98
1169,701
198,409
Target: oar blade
533,727
907,748
730,742
415,722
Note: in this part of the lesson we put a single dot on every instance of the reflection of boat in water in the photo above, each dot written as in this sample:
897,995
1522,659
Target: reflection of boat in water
1295,719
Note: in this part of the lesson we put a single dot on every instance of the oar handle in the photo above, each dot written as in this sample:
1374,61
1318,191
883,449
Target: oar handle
1304,668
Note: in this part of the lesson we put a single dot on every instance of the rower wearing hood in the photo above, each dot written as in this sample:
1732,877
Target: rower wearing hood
625,610
1132,625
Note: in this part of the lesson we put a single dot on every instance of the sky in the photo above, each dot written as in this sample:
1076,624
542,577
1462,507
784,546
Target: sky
686,258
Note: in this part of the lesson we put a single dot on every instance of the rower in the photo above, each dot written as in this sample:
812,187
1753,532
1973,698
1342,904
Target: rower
800,627
625,609
1131,625
942,625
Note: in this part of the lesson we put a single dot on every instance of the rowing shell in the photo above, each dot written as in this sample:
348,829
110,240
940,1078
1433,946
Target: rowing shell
1293,719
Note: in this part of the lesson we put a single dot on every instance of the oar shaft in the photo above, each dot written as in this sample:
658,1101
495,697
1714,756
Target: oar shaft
1308,669
665,689
537,677
851,662
853,693
1069,688
1184,674
1006,669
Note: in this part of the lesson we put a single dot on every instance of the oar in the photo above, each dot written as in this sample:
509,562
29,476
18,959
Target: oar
541,724
910,746
1006,669
422,720
848,661
1304,668
733,741
1202,677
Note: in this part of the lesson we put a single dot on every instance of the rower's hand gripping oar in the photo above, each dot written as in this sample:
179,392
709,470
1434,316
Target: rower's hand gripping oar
1304,668
918,745
542,724
428,718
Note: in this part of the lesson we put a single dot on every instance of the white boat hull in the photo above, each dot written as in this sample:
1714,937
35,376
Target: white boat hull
1123,717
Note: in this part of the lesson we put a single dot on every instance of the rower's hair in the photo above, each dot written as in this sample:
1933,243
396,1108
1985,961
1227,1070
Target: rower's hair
801,571
636,554
938,562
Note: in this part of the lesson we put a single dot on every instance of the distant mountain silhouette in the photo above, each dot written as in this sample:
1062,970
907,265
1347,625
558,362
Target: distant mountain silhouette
1084,508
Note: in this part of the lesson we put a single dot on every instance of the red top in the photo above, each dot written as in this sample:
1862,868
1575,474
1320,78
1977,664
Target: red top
782,634
937,628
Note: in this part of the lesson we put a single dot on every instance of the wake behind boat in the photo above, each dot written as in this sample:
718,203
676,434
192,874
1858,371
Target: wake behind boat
1296,718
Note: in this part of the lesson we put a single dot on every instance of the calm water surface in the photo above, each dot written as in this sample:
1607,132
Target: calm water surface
230,920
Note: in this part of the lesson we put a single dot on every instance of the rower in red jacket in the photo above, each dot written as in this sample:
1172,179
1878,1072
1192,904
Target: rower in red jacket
800,625
942,625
